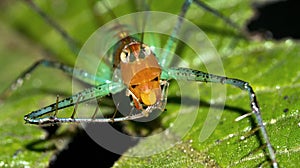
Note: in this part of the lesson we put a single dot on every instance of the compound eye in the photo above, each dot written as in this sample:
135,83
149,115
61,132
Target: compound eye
147,50
125,56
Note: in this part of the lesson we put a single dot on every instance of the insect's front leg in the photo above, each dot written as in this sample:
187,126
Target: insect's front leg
36,117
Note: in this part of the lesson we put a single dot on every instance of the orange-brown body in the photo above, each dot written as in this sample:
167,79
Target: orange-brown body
140,71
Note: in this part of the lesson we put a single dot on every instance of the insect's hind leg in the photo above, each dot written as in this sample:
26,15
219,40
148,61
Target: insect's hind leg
77,73
73,44
171,43
211,10
199,76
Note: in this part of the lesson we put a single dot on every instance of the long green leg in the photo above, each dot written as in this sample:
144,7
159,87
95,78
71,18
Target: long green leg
218,14
77,73
171,43
73,45
198,76
35,117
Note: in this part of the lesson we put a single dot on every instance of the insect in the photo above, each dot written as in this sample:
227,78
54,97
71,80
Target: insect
144,77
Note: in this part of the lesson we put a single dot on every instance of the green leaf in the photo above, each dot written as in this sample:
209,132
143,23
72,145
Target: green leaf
271,67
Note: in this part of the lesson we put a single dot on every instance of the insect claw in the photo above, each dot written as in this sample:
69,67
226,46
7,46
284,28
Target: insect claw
26,118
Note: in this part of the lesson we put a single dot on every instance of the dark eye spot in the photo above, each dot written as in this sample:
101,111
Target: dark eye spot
133,86
155,79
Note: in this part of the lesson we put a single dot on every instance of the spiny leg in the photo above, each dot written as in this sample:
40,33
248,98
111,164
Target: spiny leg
36,117
51,120
198,76
77,73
